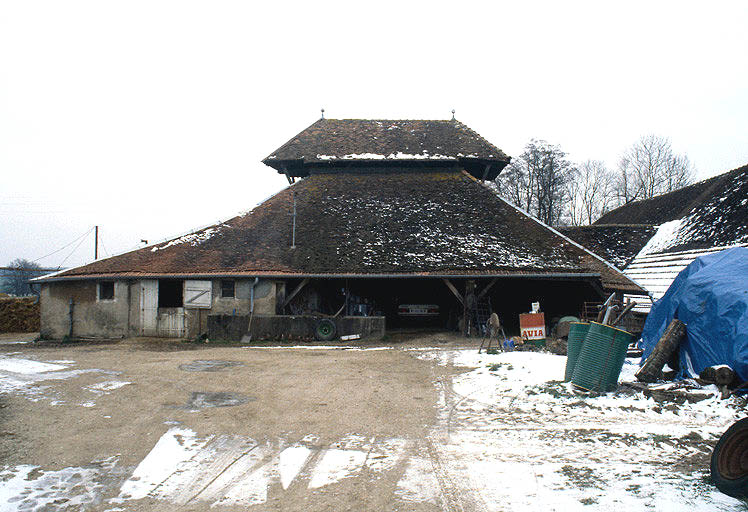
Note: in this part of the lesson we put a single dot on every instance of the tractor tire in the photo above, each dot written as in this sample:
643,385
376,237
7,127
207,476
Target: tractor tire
729,464
325,330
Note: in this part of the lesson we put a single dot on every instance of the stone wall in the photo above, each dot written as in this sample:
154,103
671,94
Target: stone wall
287,327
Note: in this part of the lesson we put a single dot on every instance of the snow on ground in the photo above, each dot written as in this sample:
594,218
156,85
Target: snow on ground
184,468
512,437
26,377
320,347
29,488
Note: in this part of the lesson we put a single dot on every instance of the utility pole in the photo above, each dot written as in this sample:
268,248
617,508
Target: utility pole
96,243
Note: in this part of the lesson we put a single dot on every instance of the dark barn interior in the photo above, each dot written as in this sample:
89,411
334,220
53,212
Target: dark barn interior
508,297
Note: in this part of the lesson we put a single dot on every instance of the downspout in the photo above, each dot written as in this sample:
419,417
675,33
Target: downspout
252,295
70,312
251,306
129,296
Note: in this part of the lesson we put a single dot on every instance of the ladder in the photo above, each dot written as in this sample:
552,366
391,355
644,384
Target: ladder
482,312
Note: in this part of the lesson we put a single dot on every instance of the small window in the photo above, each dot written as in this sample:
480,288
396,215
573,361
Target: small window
228,288
106,290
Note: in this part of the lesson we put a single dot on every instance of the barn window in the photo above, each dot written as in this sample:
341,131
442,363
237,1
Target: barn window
228,288
170,293
106,290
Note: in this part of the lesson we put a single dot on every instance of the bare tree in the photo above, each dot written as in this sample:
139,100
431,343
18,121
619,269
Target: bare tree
591,193
537,181
649,168
16,280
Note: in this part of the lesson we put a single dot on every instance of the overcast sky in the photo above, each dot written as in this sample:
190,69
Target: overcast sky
151,118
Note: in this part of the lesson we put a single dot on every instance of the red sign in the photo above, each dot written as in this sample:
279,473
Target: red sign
532,326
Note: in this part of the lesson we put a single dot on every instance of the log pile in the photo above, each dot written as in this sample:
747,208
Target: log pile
19,314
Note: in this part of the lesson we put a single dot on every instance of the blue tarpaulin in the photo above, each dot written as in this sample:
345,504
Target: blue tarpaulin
711,297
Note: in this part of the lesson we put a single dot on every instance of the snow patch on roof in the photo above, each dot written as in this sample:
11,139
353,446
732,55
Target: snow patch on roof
667,236
192,239
392,156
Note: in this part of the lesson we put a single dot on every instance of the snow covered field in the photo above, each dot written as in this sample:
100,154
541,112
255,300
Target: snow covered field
511,437
508,436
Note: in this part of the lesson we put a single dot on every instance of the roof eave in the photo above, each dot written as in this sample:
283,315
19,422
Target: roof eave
293,275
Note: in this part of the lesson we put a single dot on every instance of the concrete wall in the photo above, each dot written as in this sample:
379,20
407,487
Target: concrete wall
196,320
289,327
121,316
264,298
91,316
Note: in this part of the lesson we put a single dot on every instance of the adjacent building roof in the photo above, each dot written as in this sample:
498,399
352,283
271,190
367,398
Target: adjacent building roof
370,225
336,143
711,213
667,232
616,243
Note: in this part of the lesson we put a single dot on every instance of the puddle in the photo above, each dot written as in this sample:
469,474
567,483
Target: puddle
206,399
209,365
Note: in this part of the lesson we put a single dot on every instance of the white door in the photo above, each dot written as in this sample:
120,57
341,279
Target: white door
171,322
149,307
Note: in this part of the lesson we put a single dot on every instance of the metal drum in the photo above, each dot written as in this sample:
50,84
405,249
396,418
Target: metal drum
577,332
601,358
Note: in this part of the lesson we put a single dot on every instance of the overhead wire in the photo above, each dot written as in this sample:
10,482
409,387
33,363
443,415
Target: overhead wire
101,241
71,253
64,247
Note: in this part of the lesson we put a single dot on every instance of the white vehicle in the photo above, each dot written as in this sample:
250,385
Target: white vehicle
418,310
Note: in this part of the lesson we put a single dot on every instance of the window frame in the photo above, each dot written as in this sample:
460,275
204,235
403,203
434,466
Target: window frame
99,294
233,288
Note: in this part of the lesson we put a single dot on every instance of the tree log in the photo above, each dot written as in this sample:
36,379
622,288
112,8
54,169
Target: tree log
668,344
721,375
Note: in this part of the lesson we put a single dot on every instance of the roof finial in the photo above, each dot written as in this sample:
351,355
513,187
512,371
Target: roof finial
453,114
323,113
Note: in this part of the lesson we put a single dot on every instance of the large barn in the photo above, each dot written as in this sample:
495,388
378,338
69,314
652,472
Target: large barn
384,223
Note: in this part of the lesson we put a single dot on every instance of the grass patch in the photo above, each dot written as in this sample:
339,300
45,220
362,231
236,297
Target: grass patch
582,477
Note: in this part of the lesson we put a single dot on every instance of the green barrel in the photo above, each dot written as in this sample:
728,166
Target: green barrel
577,332
601,358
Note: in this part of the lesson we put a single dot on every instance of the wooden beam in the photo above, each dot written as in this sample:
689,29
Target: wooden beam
485,172
488,287
288,176
596,285
454,290
295,292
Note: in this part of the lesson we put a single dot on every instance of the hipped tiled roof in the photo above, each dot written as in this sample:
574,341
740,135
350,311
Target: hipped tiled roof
711,213
351,142
616,243
424,224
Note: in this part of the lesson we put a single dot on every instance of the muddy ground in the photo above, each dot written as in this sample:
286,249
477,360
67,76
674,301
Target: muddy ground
421,424
288,394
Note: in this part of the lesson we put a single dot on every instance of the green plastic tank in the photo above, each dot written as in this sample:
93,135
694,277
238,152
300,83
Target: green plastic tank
577,332
601,358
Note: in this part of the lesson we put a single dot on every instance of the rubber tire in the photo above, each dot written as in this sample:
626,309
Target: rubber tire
325,330
735,439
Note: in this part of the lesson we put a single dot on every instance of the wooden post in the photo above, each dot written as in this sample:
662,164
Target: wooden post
651,371
471,302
